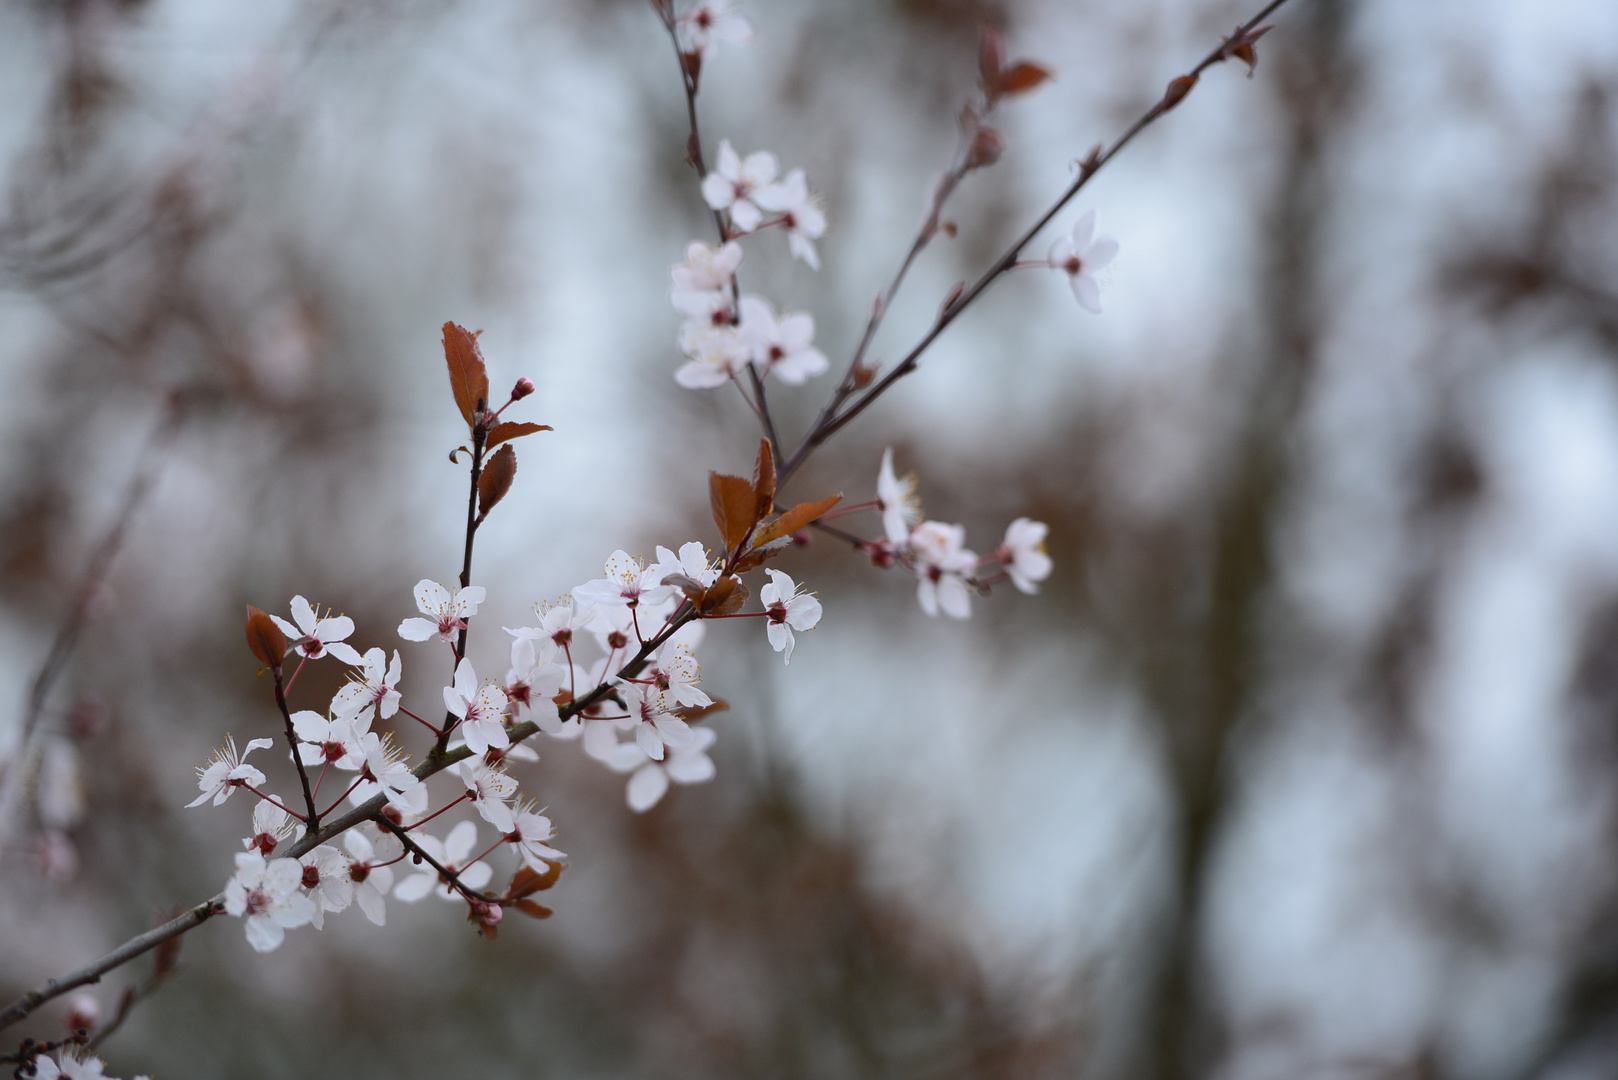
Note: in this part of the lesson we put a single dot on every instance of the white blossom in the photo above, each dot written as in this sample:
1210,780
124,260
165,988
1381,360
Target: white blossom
650,779
446,612
314,637
801,216
529,834
896,499
787,610
1023,555
489,789
226,772
376,688
734,182
372,881
1079,257
326,881
943,565
267,894
479,708
271,825
781,347
710,22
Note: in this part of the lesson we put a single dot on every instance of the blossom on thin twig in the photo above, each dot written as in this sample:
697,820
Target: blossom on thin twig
446,612
787,610
1079,256
479,708
801,216
781,346
734,183
711,22
1022,553
944,564
226,772
314,637
451,852
896,498
377,688
267,894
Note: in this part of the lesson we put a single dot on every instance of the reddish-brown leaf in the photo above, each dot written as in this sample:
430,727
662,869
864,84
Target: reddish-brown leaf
468,378
265,638
527,881
793,520
533,910
764,480
723,597
690,586
991,58
508,431
1022,77
734,507
495,480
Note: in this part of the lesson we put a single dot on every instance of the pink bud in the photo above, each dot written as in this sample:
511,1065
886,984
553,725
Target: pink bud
523,388
83,1011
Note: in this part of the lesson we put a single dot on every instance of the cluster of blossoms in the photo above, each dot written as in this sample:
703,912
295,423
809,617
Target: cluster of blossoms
641,725
947,572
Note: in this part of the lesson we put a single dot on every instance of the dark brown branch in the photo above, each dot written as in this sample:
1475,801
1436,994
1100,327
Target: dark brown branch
312,821
450,877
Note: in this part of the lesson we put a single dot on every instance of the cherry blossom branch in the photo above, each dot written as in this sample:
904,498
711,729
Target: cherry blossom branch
833,421
134,995
689,73
95,575
312,822
370,810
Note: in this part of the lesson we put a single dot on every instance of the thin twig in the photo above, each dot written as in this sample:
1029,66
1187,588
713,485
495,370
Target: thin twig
480,436
95,575
451,877
830,424
312,821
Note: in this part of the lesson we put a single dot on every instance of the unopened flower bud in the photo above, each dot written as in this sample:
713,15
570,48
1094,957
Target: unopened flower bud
802,538
617,639
83,1012
523,388
987,146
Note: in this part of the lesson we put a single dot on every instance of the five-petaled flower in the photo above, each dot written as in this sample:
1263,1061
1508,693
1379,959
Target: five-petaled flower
1079,257
944,565
782,346
314,637
451,854
446,612
226,772
529,833
896,498
269,895
710,22
786,610
479,709
377,688
1022,553
734,183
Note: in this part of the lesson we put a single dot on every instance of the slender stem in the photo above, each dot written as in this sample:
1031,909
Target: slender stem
831,421
124,953
480,438
451,877
312,822
435,813
273,801
357,782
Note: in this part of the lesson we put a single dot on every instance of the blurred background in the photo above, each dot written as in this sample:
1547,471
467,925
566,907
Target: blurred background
1303,762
